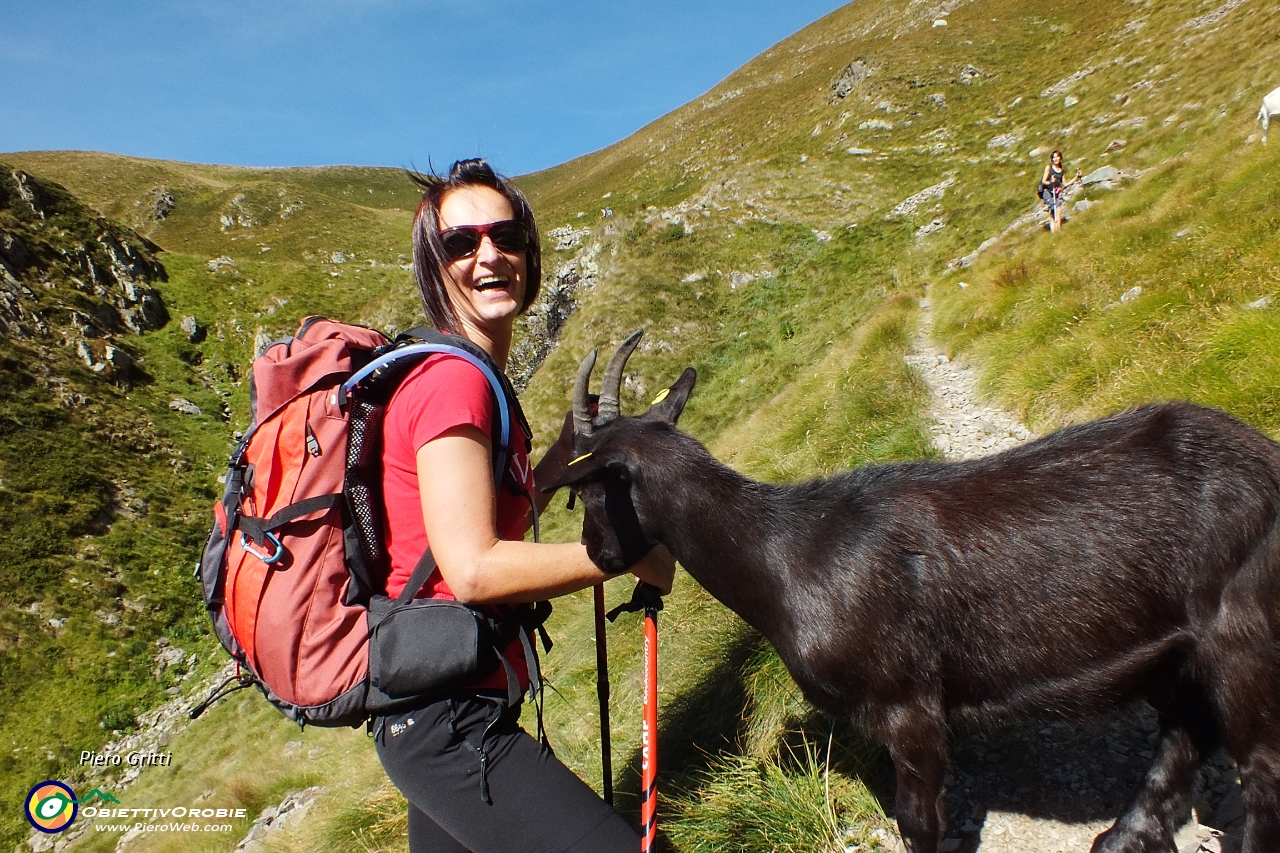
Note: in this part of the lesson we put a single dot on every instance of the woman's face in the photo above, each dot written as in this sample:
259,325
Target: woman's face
1057,158
486,289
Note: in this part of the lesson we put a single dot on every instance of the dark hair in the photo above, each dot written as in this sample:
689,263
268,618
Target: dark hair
1056,153
429,259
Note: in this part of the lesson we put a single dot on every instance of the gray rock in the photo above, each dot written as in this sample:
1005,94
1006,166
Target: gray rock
1106,175
186,407
194,331
849,79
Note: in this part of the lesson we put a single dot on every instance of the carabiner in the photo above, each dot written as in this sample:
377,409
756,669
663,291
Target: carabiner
266,558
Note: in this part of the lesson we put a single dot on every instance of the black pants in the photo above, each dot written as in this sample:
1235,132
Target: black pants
478,783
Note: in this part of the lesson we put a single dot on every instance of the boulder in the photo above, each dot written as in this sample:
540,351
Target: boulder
1106,177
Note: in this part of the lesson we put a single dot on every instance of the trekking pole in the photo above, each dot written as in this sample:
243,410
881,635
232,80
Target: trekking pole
649,730
647,598
602,692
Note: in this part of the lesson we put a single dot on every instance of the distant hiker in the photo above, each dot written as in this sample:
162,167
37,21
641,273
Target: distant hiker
474,779
1052,189
1270,107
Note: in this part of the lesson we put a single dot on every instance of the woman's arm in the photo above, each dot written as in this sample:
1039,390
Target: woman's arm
459,511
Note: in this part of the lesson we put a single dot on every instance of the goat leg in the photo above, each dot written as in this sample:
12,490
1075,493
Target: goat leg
916,737
1163,802
1261,778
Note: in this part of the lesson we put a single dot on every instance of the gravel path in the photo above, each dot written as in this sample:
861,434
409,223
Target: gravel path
1037,788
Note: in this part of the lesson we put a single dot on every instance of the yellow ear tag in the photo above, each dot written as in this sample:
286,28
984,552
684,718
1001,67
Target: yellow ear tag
580,458
662,395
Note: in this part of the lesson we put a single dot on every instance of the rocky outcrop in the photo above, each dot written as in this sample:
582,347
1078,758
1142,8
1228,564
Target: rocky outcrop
540,327
73,278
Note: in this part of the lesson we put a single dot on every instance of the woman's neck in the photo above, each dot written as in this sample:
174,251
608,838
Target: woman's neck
497,343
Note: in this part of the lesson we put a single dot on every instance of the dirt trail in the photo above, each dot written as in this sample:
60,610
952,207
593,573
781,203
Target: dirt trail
1047,788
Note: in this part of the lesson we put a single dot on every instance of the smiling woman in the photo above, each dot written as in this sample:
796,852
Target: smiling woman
453,534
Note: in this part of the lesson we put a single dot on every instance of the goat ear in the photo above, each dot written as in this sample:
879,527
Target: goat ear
580,469
670,403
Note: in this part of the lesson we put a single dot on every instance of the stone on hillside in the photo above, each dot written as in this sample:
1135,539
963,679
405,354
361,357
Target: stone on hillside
1259,304
1131,294
194,331
338,258
567,237
968,74
860,152
293,808
1106,177
935,225
1082,205
14,255
1116,145
876,124
218,264
118,359
1070,101
939,100
261,340
185,406
908,206
850,78
162,203
941,22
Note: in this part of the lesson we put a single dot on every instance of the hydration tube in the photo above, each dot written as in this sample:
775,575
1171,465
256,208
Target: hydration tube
504,417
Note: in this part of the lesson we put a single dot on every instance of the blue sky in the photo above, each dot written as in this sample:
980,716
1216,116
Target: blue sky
366,82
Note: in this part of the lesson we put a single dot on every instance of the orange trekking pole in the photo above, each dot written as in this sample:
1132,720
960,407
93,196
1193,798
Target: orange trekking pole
647,598
649,729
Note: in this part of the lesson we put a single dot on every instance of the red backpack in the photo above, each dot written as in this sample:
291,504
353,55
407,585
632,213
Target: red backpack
296,549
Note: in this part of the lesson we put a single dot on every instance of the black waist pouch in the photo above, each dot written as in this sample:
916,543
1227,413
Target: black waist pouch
424,647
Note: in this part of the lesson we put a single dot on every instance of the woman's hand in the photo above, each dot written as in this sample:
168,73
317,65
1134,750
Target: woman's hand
656,568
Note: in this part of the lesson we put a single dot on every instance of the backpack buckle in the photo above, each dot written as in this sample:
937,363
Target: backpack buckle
272,539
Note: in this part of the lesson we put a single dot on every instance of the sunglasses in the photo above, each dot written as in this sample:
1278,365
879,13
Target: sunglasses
507,235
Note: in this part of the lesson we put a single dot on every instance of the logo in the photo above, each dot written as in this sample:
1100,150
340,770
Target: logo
51,806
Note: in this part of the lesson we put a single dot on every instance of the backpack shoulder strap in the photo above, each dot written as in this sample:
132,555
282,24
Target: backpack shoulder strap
430,335
409,348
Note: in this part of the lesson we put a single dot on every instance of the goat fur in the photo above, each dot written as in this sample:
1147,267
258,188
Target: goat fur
1134,556
1270,107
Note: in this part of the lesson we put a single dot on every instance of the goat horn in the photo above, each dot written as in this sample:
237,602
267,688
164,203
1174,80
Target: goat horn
611,385
581,406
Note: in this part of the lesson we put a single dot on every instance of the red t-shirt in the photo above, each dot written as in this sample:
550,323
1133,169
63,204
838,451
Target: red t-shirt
442,393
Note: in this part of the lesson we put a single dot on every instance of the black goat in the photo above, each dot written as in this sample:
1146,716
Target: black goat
1135,556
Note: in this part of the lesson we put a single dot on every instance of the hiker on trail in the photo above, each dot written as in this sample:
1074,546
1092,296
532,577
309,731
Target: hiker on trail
474,779
1052,188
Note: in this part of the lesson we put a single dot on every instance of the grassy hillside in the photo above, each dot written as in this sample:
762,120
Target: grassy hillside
777,234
